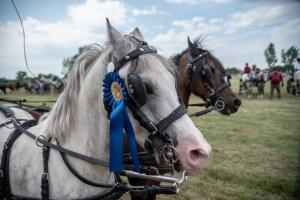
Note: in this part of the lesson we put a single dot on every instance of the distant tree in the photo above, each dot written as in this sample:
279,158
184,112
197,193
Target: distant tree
21,75
69,62
233,70
40,76
292,54
270,55
289,56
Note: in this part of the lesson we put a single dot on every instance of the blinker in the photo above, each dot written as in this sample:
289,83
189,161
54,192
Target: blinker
136,89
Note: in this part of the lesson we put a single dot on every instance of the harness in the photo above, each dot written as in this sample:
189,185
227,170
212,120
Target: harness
158,141
198,66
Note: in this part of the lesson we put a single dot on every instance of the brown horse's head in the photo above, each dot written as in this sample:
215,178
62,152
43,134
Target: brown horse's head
202,74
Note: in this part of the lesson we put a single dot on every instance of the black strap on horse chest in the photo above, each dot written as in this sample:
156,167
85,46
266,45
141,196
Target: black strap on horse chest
45,175
4,170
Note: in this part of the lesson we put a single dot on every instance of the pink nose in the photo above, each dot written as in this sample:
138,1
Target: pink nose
193,151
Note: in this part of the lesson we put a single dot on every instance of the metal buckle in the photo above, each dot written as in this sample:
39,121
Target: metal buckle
37,142
154,127
45,174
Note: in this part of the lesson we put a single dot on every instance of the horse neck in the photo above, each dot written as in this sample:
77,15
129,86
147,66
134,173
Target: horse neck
92,125
183,91
88,134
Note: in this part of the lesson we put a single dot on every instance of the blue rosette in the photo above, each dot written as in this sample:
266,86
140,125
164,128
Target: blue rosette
115,96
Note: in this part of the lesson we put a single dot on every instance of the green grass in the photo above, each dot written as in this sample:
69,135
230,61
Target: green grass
255,151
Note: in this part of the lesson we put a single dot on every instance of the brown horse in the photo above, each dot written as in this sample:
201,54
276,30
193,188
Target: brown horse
5,85
202,74
192,63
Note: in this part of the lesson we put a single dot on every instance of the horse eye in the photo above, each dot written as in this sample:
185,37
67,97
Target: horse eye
149,88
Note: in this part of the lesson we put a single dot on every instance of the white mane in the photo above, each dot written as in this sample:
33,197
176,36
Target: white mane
65,109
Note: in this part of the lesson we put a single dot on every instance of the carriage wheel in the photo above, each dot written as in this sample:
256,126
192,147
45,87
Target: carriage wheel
288,86
294,90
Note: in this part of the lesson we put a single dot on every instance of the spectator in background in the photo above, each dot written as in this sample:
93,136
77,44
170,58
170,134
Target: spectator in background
275,78
297,65
247,69
252,73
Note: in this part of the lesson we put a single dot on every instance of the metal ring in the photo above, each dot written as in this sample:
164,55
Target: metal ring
37,142
174,151
211,92
220,104
8,121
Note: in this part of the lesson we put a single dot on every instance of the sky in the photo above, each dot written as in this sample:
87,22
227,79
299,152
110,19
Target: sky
235,31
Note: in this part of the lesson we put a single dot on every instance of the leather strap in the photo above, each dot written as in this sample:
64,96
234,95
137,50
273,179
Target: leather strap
45,175
61,149
4,167
173,116
133,55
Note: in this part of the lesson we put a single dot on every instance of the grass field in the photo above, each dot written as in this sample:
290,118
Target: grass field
255,151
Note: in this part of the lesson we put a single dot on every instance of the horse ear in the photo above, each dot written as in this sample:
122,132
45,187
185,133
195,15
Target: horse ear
137,34
118,41
192,48
114,36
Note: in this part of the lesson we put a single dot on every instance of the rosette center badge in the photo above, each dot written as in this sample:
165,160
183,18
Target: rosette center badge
116,90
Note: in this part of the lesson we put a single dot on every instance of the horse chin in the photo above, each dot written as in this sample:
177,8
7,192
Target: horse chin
228,111
225,112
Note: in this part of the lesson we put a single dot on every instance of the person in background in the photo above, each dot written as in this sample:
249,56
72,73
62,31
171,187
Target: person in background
247,69
297,65
253,71
259,81
275,78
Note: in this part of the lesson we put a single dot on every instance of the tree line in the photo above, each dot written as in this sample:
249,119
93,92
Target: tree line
288,57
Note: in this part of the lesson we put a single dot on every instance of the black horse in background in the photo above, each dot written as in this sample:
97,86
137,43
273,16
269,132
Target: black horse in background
6,84
41,85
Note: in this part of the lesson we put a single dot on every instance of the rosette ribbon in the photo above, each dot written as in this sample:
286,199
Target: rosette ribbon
115,95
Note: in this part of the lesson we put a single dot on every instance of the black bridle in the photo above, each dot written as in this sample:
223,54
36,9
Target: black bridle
198,67
159,142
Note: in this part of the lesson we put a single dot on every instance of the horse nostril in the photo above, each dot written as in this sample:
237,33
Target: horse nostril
237,102
197,154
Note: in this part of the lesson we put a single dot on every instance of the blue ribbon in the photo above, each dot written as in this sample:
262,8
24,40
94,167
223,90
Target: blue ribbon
119,120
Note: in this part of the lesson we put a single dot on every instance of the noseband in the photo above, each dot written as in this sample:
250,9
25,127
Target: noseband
199,64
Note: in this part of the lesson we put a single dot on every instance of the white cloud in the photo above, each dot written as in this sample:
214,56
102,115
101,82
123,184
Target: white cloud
152,11
194,2
176,37
92,13
257,15
49,42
